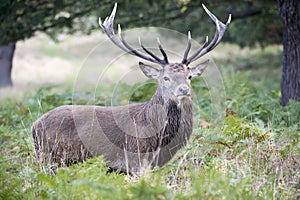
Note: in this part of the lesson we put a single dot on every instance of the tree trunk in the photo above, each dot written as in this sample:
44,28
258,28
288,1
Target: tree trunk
6,57
290,84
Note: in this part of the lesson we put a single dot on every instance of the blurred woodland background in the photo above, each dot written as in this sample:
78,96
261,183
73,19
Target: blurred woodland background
254,23
252,153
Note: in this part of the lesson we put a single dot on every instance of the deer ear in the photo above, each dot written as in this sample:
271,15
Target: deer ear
199,69
149,71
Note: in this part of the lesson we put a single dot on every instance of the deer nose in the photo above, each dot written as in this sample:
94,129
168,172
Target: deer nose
184,90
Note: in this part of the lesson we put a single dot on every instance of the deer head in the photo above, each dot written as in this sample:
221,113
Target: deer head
173,78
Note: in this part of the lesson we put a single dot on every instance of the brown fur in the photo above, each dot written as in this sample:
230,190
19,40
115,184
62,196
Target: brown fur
134,137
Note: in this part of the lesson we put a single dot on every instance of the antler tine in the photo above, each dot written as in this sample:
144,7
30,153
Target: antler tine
151,53
220,30
135,52
107,27
192,58
162,51
187,48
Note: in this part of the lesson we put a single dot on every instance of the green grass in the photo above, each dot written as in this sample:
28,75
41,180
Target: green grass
252,153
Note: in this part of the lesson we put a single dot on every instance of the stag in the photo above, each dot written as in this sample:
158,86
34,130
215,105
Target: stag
134,137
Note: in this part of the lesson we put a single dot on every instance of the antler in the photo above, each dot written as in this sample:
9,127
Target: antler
205,48
107,26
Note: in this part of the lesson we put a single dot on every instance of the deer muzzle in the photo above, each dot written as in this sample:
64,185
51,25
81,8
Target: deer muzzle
183,91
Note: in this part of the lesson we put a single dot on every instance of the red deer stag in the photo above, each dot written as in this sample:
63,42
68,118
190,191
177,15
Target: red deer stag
135,137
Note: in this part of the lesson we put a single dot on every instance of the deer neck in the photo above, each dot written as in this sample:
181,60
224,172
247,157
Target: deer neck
168,115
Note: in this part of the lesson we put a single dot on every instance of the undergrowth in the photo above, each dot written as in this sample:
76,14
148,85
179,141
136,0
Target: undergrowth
252,153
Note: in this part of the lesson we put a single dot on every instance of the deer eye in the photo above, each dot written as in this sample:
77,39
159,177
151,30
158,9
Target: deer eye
166,78
190,77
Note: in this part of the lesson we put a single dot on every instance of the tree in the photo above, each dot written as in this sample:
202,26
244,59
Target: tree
22,19
6,57
290,85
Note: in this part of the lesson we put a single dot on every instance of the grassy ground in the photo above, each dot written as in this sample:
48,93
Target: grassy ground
250,153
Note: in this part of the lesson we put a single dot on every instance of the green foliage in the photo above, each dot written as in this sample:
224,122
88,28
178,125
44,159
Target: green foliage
189,15
253,153
10,186
143,93
268,27
21,19
268,58
87,180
